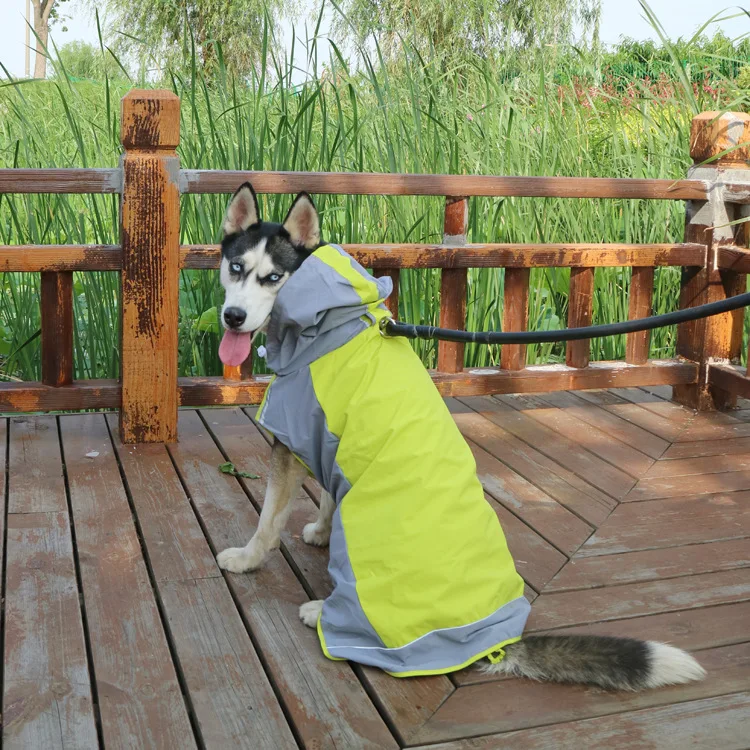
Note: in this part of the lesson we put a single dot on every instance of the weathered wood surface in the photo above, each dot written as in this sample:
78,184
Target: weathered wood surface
515,316
168,651
139,695
580,309
150,235
47,696
217,391
60,180
639,306
36,258
453,285
215,181
493,255
56,294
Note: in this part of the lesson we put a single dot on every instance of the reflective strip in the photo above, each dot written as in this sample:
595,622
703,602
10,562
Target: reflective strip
440,651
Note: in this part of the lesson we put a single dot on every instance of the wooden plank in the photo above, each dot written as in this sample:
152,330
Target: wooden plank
699,484
692,629
450,357
652,564
323,698
546,516
527,704
699,448
47,699
150,232
36,397
392,302
572,492
36,258
216,391
36,479
601,444
716,464
730,378
230,694
657,405
670,523
60,180
56,294
382,257
580,309
140,699
607,422
240,372
633,413
348,183
733,258
562,609
639,306
174,541
515,316
589,467
212,391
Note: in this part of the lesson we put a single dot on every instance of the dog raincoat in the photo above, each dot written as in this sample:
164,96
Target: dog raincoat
423,580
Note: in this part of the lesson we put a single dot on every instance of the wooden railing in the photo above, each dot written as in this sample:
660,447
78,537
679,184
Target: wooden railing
713,258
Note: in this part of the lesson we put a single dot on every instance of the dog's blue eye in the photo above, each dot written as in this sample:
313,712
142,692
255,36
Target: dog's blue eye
235,268
274,277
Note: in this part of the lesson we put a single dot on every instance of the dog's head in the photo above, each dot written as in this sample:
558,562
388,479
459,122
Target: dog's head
258,257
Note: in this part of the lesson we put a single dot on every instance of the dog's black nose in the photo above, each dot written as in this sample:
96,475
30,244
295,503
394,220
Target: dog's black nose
234,317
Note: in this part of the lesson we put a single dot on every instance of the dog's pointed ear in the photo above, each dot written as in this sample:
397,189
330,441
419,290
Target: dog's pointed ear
302,223
242,211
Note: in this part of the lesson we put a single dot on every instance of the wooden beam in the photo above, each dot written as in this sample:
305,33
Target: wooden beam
150,232
60,180
36,258
730,378
347,183
580,308
495,255
216,391
57,328
640,303
453,286
515,316
732,258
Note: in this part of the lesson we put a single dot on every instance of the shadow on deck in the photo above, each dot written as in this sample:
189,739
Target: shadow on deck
626,514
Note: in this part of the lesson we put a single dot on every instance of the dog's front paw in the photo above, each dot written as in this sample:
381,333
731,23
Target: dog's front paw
316,535
240,559
309,613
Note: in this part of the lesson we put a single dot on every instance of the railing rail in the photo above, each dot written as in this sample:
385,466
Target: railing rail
713,258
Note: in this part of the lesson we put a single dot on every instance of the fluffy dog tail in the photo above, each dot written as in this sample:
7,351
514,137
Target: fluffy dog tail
612,663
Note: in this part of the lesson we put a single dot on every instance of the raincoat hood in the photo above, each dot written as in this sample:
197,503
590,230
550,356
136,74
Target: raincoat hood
322,306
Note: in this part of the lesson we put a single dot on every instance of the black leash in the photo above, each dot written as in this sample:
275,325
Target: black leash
391,328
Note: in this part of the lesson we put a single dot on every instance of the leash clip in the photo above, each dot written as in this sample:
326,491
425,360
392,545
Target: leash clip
383,326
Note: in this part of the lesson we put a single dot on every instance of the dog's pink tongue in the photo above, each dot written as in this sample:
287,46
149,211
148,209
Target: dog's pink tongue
235,348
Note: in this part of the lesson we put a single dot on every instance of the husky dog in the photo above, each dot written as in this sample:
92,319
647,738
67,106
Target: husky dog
258,260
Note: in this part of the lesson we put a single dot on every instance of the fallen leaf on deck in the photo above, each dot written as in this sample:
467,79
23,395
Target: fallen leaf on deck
228,468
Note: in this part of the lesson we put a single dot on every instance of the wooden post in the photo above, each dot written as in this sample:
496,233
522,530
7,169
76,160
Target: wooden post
715,339
580,309
57,328
515,316
453,286
150,236
240,372
392,302
641,297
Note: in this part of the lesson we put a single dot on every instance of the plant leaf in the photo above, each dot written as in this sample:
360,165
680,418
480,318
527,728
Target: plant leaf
228,468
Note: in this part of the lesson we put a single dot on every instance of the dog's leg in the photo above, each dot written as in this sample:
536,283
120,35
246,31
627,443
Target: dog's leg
284,481
318,533
309,613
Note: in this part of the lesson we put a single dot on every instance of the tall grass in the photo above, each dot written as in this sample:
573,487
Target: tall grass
416,116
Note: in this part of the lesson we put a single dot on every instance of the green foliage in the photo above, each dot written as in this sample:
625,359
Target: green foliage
161,34
81,60
424,114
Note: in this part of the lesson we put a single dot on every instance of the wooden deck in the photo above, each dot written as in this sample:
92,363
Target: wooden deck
626,514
